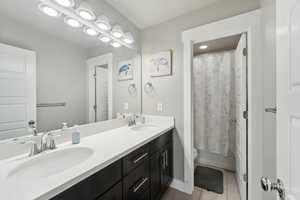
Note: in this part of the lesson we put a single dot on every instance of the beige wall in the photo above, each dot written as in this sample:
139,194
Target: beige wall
269,63
169,90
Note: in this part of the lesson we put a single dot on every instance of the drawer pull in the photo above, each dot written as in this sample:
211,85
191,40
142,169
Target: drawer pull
140,158
136,188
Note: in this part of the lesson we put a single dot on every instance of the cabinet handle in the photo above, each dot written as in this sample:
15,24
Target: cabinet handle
136,188
140,158
166,157
163,160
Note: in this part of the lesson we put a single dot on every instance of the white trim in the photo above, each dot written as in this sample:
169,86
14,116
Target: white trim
178,185
249,23
91,63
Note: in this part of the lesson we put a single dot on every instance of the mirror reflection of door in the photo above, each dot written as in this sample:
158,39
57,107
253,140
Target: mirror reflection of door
101,93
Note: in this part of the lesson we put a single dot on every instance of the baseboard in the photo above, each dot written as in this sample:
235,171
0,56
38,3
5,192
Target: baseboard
179,185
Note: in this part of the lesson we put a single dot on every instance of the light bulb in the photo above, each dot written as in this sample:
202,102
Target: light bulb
49,11
115,44
72,22
90,31
66,3
104,39
117,31
203,47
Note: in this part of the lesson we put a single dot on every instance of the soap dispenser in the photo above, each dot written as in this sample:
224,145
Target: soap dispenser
75,135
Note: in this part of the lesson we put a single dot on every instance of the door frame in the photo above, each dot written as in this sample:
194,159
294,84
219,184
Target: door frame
105,59
245,23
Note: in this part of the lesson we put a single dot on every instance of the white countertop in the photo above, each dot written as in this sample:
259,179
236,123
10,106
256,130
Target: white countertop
108,147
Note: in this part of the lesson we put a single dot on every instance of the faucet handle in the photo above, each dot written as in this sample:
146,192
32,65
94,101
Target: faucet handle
51,144
34,149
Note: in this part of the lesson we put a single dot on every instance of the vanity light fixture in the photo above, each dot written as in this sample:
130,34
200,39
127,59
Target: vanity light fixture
202,47
116,44
49,11
82,15
66,3
90,31
128,38
117,31
72,22
103,23
104,38
85,12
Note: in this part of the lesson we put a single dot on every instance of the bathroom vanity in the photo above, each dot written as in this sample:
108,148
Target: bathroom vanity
123,163
142,174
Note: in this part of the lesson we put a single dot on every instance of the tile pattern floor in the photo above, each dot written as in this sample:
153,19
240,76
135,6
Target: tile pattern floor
230,191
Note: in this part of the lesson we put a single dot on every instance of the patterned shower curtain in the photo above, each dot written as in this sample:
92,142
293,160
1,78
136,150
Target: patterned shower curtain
214,102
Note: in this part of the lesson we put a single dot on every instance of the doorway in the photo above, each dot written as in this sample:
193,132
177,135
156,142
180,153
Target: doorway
248,24
101,93
100,88
219,101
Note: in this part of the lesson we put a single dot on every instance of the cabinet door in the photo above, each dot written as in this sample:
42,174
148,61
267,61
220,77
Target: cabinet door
113,194
79,191
137,182
155,173
167,166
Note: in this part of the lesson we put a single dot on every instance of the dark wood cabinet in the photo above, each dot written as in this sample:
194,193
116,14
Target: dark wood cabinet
114,193
143,174
166,166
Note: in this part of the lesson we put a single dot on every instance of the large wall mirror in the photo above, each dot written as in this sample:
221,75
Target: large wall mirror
74,64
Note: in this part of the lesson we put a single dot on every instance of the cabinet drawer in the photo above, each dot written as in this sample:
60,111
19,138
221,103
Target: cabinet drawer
106,178
114,193
137,183
161,141
135,158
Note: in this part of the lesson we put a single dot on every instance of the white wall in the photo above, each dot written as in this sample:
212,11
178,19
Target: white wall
169,90
60,72
269,63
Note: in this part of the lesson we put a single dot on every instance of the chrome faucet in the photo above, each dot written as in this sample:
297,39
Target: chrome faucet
131,120
44,144
32,125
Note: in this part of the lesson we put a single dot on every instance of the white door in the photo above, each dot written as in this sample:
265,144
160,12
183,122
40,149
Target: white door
17,91
241,124
288,96
101,84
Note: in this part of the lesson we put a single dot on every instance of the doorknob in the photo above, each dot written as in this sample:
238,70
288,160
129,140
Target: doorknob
278,186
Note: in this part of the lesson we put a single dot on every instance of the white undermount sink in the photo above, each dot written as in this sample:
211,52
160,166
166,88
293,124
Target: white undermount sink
50,163
143,127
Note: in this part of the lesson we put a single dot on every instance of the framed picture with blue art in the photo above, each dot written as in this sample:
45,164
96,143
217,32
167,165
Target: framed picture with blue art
160,64
125,70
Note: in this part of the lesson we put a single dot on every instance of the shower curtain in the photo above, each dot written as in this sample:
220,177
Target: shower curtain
214,102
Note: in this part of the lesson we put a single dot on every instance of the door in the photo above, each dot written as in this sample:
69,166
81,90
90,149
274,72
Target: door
17,91
166,166
241,116
288,97
101,93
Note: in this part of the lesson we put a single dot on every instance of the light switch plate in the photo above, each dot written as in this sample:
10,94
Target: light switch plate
159,107
126,106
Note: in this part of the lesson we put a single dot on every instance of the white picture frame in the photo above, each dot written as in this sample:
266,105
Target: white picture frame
125,70
160,64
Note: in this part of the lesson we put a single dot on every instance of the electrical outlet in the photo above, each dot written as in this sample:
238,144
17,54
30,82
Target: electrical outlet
126,106
159,107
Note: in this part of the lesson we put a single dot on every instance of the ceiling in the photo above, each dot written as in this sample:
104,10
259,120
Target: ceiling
222,44
145,13
27,14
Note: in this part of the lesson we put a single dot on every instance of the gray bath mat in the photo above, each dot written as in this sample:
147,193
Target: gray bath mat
209,179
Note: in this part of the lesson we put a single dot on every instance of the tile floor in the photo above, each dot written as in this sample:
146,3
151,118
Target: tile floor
230,191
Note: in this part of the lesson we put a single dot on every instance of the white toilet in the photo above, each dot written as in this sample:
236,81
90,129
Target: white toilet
195,154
